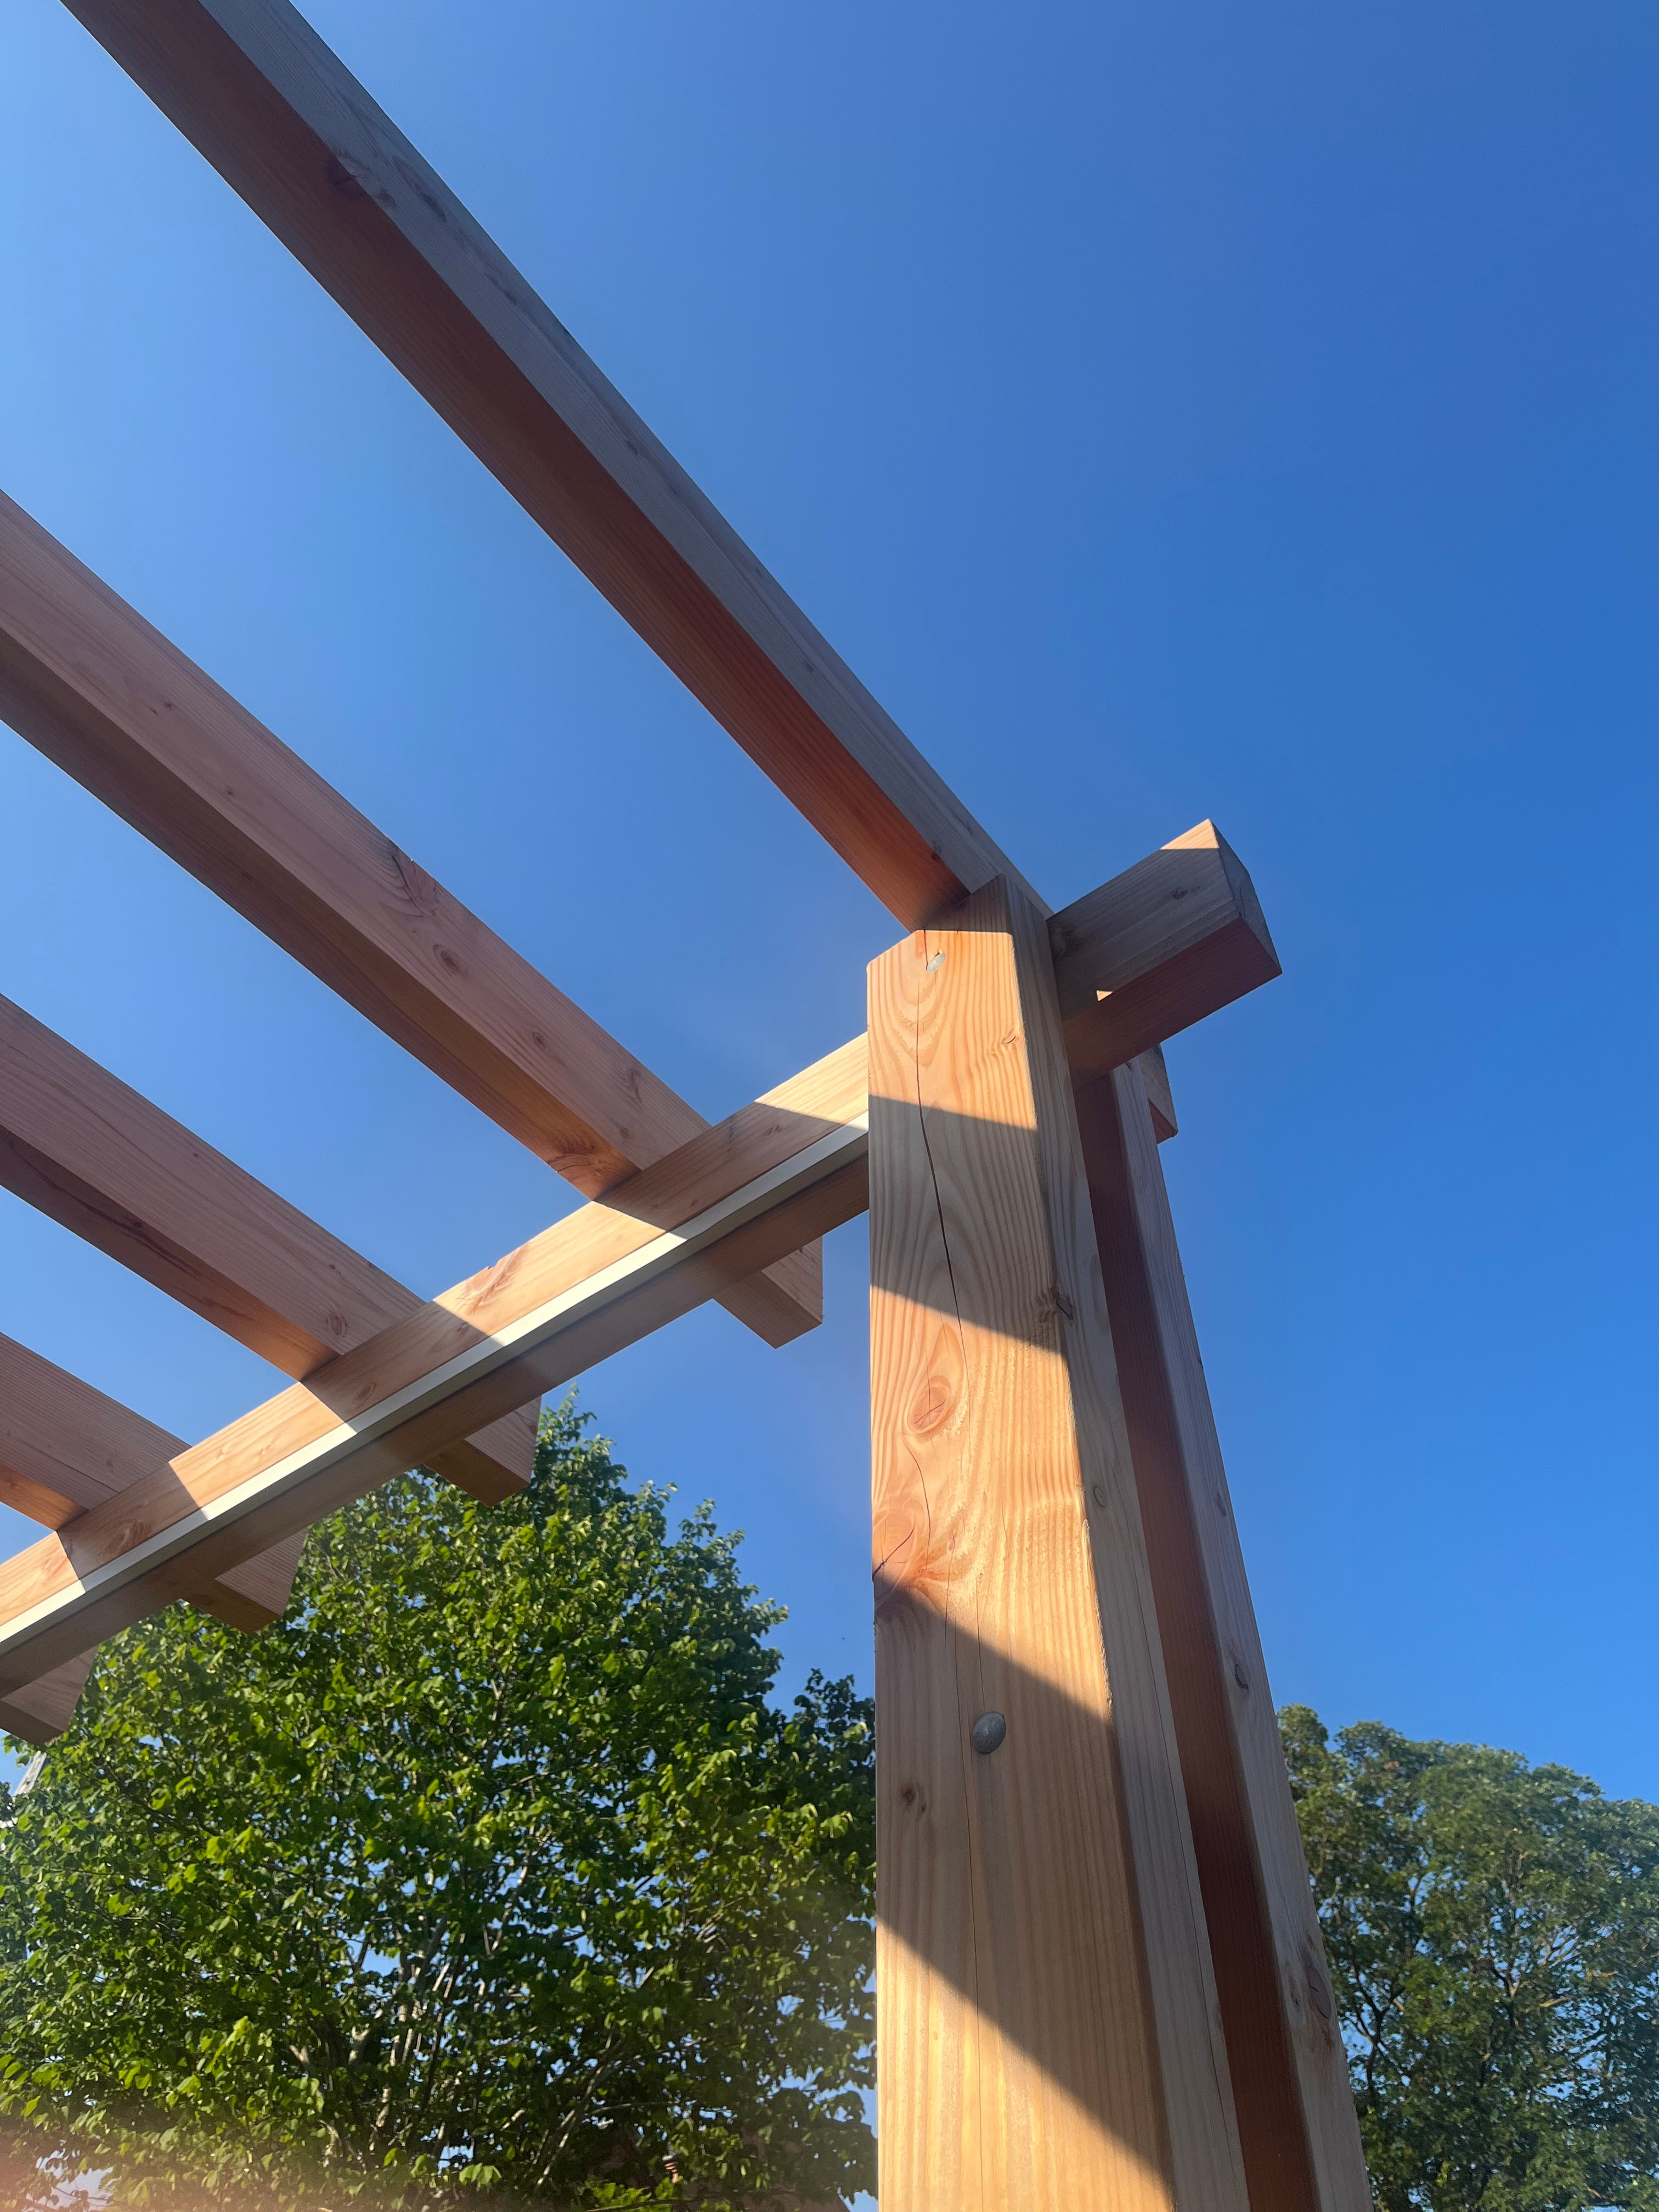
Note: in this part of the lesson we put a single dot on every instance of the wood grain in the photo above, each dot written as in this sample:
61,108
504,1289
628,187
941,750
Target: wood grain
735,1199
252,85
80,1146
1046,2029
1174,938
1289,2073
87,680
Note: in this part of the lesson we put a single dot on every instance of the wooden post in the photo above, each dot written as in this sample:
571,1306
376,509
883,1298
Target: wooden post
1290,2074
1048,2037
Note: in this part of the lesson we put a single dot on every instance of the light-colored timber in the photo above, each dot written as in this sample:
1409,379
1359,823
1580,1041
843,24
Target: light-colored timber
1046,2027
1296,2112
287,126
1174,938
80,1146
86,1149
89,682
65,1448
39,1711
735,1198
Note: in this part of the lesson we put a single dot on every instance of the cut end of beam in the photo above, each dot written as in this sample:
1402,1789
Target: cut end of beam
40,1711
1160,947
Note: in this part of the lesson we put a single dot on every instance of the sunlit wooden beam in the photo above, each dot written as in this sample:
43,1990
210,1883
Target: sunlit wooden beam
66,1448
87,681
784,1169
1046,2012
82,1146
282,119
1170,941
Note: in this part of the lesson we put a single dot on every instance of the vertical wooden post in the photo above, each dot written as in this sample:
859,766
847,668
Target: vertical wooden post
1289,2073
1048,2036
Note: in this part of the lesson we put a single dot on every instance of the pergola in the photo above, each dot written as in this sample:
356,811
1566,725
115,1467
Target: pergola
1100,1980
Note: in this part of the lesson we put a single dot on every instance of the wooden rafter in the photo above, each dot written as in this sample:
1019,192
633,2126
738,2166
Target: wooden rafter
282,119
79,1145
87,680
66,1448
788,1167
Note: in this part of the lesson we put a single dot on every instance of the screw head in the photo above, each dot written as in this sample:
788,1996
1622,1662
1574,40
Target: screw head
986,1733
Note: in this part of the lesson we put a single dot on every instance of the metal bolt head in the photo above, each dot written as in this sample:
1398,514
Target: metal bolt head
986,1733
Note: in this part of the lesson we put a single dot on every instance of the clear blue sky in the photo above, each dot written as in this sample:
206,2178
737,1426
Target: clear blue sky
1170,409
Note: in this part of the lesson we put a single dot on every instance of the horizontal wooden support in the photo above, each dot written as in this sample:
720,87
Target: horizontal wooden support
735,1198
87,681
251,84
40,1711
183,1210
83,1147
1157,949
1046,2015
66,1448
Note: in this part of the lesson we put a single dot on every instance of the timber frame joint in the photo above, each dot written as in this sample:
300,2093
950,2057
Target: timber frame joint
1095,1946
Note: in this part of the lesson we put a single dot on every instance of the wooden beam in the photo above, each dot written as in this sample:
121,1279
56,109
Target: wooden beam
65,1448
1290,2071
79,1145
1160,1101
1045,2010
39,1711
87,681
1171,940
280,116
732,1201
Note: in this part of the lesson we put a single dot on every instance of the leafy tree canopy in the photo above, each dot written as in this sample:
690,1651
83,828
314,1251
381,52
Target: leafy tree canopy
1494,1934
490,1867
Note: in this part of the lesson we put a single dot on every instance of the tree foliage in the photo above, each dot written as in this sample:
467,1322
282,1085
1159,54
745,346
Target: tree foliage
1493,1935
491,1866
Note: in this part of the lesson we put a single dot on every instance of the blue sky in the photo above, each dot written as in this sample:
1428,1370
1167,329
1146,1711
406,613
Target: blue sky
1169,409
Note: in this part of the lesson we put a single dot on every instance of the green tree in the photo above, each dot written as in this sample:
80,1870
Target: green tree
490,1867
1493,1935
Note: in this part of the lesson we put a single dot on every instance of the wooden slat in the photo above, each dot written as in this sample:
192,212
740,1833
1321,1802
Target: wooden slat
83,1147
1157,949
87,681
286,123
1046,2011
734,1200
1290,2071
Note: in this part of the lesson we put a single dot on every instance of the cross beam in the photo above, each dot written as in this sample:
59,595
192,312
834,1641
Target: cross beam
108,1164
735,1198
87,680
